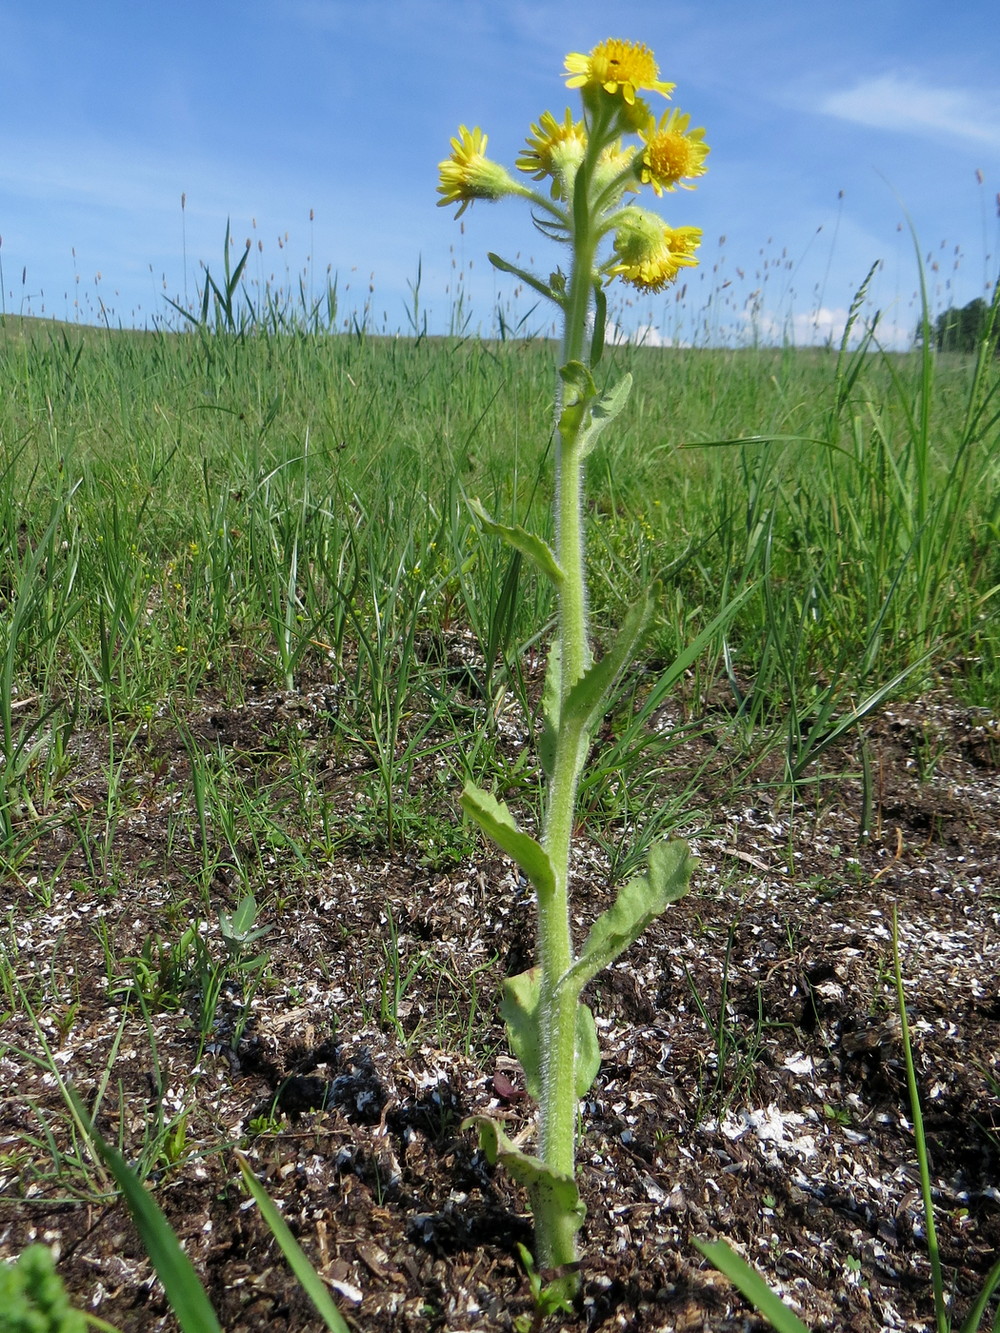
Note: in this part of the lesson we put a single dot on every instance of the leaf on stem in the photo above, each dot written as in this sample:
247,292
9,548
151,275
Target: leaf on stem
550,1191
526,542
584,414
579,391
519,1009
586,701
610,404
497,823
531,279
640,901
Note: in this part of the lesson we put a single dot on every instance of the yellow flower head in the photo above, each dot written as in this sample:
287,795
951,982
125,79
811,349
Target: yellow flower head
617,67
672,151
468,174
650,253
554,149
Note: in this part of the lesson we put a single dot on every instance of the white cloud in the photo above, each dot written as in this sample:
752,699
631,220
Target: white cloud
909,105
643,335
824,327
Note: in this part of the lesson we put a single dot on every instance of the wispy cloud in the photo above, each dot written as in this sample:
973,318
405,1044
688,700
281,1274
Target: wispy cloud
909,105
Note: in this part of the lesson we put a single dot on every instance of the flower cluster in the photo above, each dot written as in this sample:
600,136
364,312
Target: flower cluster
594,167
589,152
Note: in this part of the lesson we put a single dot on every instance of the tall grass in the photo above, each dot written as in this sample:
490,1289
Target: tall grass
239,502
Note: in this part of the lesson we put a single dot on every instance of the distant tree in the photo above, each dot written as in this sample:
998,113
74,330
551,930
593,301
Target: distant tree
963,330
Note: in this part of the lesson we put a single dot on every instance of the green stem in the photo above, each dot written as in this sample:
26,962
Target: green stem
555,1229
574,644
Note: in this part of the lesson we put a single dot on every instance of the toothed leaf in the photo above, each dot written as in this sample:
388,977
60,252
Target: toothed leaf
584,414
638,903
551,1192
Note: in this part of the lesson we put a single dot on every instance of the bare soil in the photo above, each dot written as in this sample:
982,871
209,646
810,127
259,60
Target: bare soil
752,1084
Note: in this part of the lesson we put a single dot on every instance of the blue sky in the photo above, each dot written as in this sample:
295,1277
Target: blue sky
829,123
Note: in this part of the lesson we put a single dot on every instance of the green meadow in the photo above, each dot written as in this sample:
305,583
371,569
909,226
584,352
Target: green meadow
184,511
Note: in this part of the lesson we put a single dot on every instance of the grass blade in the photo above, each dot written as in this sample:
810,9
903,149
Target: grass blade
974,1318
751,1284
920,1141
312,1283
180,1281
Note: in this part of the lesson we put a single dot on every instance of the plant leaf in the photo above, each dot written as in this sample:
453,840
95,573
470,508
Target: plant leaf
610,404
601,412
180,1281
497,822
579,391
639,902
311,1282
588,1049
549,1189
751,1284
519,1010
526,542
586,700
530,278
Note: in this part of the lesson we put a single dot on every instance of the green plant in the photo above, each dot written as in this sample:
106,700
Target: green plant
239,931
161,973
40,600
737,1050
34,1300
551,1030
547,1298
395,980
185,973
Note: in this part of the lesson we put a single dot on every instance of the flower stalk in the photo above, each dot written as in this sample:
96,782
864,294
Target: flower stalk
551,1030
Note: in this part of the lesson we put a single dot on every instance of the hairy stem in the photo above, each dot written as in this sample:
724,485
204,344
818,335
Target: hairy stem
555,1231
